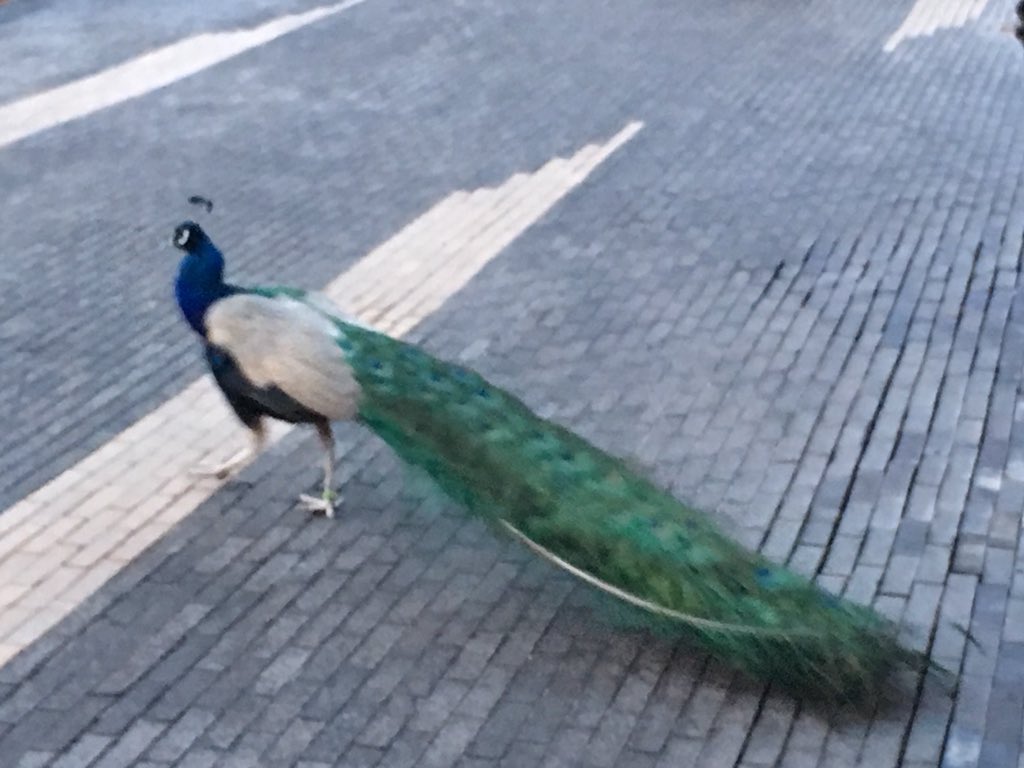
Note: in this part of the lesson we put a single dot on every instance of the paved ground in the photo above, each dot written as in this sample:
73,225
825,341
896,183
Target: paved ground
792,295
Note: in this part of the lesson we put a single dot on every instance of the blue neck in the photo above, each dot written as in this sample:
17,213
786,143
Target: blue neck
200,283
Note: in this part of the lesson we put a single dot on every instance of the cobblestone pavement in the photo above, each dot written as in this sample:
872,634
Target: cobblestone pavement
777,265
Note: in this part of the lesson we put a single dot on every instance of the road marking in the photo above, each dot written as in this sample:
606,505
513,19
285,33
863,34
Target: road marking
145,73
61,543
929,16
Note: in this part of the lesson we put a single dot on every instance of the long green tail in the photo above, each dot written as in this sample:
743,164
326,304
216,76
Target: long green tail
588,513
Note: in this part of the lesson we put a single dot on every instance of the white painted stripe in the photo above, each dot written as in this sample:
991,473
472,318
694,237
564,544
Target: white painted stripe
145,73
63,542
407,279
928,16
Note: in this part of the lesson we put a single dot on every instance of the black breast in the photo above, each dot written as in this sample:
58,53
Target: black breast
251,402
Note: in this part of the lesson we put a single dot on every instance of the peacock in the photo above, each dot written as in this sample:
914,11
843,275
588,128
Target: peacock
287,354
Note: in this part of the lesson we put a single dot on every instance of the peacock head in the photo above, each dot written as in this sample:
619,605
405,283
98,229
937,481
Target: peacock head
203,263
189,236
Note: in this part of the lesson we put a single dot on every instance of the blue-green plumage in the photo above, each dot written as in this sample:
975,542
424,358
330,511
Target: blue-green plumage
580,508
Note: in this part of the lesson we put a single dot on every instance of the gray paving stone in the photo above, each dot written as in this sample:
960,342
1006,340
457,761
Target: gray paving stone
202,758
35,759
486,692
180,737
292,742
132,743
768,736
83,751
680,751
443,698
53,731
815,336
1002,739
450,741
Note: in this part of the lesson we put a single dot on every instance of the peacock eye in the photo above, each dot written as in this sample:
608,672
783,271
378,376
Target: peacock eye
183,237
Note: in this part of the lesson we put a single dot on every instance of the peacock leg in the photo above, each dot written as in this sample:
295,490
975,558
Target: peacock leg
325,504
240,459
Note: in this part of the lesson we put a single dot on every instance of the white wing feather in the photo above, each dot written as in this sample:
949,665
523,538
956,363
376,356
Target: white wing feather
284,343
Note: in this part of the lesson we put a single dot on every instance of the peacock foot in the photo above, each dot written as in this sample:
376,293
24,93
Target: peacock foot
320,505
236,462
223,469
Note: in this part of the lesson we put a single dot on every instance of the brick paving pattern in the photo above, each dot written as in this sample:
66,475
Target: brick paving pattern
792,297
